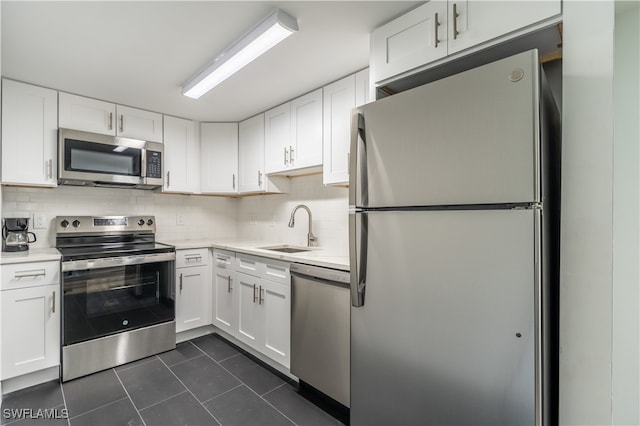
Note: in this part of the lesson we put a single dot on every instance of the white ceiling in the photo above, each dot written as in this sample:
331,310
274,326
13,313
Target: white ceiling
139,53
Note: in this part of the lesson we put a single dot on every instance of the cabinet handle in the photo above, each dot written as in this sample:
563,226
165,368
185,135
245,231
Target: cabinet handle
259,179
30,274
234,181
436,24
254,294
180,283
110,121
53,303
261,293
50,168
290,155
455,21
286,153
168,181
195,258
122,121
229,284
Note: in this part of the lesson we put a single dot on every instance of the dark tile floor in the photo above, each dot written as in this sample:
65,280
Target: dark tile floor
205,381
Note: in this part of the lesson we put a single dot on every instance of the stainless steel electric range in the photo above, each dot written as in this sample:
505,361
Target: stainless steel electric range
118,292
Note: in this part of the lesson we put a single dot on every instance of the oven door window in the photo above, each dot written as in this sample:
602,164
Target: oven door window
91,157
101,302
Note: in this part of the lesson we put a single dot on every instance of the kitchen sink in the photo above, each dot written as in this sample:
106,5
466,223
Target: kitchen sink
286,249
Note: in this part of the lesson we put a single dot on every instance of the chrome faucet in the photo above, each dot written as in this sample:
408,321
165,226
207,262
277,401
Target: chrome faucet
312,240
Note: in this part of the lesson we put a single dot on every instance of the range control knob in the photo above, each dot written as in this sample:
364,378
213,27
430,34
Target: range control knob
141,222
150,222
76,223
64,223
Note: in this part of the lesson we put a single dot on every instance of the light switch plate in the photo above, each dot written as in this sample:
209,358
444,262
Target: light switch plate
179,219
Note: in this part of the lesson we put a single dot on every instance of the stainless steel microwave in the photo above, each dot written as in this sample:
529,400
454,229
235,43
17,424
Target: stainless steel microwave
92,159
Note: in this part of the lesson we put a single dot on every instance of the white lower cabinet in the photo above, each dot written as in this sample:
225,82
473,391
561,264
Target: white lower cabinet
225,292
30,307
253,302
193,289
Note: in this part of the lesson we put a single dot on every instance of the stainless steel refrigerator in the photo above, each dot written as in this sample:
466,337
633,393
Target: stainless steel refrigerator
454,251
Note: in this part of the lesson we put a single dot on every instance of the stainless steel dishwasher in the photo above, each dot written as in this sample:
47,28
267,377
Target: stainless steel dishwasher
320,329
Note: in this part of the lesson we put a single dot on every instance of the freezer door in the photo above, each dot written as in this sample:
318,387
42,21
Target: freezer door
448,331
472,138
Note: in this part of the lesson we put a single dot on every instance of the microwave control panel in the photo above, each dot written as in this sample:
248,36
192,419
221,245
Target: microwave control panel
154,164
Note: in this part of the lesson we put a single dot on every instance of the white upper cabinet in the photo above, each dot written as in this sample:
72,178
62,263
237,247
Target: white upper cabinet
139,124
306,131
413,39
440,28
92,115
181,156
219,155
251,168
29,134
277,138
86,114
251,154
293,135
339,101
340,98
474,22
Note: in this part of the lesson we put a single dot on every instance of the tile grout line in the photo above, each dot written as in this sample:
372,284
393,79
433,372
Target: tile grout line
130,365
223,393
249,387
274,389
129,396
164,400
183,361
98,408
189,390
64,401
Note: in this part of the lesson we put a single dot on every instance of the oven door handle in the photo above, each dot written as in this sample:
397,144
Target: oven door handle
108,262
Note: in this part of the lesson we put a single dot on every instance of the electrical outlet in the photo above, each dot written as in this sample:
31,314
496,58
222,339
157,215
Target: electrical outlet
180,219
39,221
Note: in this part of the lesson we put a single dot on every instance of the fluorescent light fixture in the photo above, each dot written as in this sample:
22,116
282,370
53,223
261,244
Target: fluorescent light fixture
263,36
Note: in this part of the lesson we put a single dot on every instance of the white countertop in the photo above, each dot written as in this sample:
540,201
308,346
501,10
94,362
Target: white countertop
317,256
31,255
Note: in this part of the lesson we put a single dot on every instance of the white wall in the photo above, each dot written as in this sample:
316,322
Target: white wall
204,217
626,217
266,217
586,235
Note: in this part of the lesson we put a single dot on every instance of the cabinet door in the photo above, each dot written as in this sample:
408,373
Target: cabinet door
249,312
306,131
363,88
339,101
181,156
193,308
29,134
474,22
412,40
225,293
33,312
86,114
219,147
277,138
251,155
139,124
275,301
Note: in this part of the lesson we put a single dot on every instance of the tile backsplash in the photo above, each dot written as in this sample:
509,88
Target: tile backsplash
202,217
263,217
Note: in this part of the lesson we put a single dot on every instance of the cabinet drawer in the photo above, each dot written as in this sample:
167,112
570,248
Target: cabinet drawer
21,275
249,265
195,257
224,259
276,271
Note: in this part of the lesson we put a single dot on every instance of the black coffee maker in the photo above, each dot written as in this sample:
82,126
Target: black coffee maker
15,235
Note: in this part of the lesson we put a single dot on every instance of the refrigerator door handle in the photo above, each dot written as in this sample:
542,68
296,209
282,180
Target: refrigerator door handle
358,185
358,239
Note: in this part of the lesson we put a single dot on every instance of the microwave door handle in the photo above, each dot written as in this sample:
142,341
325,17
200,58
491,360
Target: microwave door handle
143,165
